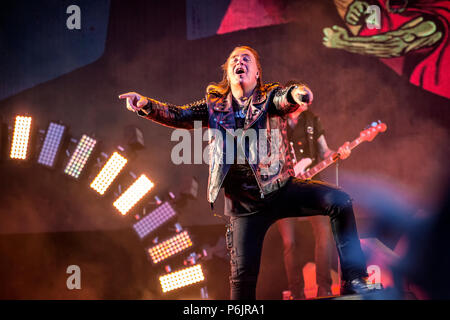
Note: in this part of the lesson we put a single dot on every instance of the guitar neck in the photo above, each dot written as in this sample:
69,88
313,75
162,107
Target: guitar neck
327,161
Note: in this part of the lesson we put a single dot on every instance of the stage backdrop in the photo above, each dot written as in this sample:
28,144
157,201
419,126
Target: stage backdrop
396,72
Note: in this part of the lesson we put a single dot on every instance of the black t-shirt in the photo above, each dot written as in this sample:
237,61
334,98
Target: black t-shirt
304,136
242,193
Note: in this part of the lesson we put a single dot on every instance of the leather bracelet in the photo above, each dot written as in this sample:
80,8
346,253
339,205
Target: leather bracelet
145,111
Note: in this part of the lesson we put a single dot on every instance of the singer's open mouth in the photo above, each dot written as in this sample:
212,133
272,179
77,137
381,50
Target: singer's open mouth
239,70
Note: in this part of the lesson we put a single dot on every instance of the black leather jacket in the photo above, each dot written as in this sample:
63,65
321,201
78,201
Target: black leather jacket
266,115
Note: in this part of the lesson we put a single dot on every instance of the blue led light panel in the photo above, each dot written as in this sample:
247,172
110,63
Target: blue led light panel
52,143
154,219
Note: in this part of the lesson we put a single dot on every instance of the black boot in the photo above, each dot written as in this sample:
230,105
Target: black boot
355,286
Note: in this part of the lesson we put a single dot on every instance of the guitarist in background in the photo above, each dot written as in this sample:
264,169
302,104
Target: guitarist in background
308,145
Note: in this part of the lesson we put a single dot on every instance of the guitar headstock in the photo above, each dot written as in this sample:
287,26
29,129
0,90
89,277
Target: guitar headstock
370,133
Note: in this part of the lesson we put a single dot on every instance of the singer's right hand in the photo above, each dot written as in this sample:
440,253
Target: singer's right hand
135,101
300,91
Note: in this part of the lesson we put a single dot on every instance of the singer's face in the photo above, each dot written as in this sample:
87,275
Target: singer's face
242,68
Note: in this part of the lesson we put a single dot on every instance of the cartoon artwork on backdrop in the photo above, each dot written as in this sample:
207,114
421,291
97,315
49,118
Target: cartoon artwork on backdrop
411,37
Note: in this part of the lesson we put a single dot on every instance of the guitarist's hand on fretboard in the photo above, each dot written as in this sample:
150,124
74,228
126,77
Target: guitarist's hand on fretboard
344,151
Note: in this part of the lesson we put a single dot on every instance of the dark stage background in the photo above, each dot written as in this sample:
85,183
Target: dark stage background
48,221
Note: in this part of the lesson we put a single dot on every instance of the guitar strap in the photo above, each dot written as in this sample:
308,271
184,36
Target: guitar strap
309,127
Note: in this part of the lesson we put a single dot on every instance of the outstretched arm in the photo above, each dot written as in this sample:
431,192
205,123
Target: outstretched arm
167,114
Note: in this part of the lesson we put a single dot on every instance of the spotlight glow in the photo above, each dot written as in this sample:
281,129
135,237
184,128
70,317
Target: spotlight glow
170,247
108,173
51,144
21,138
133,194
80,156
182,278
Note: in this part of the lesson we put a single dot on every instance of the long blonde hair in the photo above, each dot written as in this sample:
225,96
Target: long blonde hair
223,87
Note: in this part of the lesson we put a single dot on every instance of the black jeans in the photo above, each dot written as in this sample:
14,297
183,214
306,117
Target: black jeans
298,198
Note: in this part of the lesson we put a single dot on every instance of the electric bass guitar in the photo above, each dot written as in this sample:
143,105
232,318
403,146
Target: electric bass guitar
301,168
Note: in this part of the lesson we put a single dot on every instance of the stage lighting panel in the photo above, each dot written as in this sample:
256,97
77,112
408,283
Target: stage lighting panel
108,173
80,156
154,219
170,247
21,137
182,278
133,194
52,144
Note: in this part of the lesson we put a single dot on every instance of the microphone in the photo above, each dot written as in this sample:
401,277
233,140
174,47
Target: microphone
305,98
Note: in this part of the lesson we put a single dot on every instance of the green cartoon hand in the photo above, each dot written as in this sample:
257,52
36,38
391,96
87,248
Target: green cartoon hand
355,12
335,37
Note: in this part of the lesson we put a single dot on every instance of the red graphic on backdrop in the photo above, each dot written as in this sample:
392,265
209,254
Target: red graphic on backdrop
432,72
252,14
